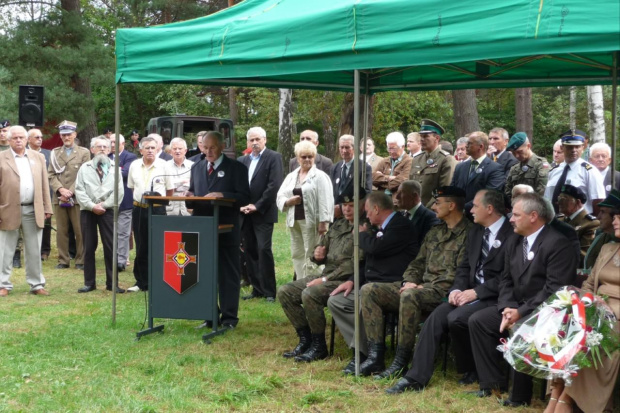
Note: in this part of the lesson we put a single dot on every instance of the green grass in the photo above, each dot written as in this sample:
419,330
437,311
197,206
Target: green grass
62,353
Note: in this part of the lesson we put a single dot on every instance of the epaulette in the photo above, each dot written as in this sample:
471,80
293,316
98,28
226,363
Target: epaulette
555,167
590,217
446,153
586,165
420,154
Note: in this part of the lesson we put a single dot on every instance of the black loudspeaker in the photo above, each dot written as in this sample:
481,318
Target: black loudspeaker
31,106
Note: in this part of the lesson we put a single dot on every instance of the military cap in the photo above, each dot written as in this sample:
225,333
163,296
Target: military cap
449,191
430,126
574,192
573,137
66,127
612,200
4,124
347,195
516,141
107,130
134,131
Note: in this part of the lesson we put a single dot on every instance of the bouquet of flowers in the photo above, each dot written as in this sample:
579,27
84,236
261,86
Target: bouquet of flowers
567,332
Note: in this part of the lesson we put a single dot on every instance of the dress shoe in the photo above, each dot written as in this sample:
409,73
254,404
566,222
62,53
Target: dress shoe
405,384
251,296
120,267
40,291
79,266
87,289
133,289
119,290
270,299
514,403
62,266
469,378
4,292
486,392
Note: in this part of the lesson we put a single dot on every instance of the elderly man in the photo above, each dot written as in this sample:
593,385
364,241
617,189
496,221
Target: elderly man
342,173
530,169
35,138
480,172
179,170
572,211
146,173
258,217
199,156
576,172
434,167
4,135
408,200
125,158
461,150
65,162
395,168
600,156
160,147
323,163
498,140
423,285
94,190
558,153
413,144
25,197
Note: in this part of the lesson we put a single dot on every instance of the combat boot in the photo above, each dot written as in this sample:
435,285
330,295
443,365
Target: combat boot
317,351
305,338
375,362
350,368
399,365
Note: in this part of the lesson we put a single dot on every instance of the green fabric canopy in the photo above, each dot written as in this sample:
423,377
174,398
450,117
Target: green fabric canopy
397,44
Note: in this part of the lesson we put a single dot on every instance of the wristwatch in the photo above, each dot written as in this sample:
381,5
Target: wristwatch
324,279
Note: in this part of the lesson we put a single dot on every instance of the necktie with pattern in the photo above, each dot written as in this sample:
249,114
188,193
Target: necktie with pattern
525,245
210,168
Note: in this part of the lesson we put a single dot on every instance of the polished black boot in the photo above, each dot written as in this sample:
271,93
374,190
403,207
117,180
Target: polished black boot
305,338
317,351
399,365
350,368
375,362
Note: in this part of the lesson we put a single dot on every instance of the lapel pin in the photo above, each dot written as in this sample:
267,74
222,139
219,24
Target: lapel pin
337,180
220,174
379,234
497,243
530,255
479,170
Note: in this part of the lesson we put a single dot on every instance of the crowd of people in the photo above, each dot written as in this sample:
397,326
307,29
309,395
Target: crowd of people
468,243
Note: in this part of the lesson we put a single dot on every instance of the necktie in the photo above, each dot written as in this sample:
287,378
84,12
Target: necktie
525,250
406,214
483,255
343,178
100,172
210,168
558,188
472,168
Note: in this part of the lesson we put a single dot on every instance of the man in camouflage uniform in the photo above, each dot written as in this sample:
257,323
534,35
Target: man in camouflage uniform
572,211
531,169
303,300
433,167
426,282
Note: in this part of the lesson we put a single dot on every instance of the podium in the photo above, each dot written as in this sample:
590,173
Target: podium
183,264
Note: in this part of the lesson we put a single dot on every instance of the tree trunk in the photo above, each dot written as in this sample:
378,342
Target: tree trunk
285,136
572,111
596,114
328,132
346,125
232,105
523,112
465,112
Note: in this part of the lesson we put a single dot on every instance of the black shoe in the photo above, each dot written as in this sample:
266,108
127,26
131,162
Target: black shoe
87,289
270,299
119,290
79,266
404,384
350,368
61,266
317,351
17,259
120,267
375,363
486,392
469,378
251,296
305,339
228,326
398,366
511,403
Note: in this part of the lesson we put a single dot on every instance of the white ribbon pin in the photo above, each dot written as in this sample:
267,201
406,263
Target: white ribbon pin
530,255
220,174
497,243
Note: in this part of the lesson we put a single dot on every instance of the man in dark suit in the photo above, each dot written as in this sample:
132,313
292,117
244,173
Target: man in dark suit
221,177
536,265
475,288
35,139
479,172
498,140
409,201
342,173
322,162
265,176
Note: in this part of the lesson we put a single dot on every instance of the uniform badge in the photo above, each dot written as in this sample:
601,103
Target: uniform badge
525,168
479,170
530,255
337,180
430,161
497,243
220,174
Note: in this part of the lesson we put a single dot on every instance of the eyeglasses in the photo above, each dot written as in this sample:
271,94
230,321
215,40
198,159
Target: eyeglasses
306,156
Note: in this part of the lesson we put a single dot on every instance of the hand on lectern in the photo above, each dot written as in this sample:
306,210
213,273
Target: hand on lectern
188,193
214,195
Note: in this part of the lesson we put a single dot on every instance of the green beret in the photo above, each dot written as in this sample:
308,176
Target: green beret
612,200
517,140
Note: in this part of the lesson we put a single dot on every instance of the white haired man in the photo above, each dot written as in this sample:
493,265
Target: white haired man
394,169
179,168
600,156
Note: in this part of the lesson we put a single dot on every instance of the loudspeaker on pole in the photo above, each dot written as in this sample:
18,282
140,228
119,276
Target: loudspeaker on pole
31,106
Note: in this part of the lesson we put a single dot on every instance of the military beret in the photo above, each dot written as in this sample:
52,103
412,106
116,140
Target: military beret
134,131
4,124
449,191
612,200
107,130
347,195
66,127
430,126
573,137
516,141
574,192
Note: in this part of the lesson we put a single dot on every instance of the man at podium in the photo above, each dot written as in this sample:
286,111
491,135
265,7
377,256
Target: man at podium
221,177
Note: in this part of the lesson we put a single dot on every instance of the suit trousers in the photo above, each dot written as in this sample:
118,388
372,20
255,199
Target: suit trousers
259,256
343,312
140,221
445,318
303,240
124,233
64,216
89,222
32,248
229,280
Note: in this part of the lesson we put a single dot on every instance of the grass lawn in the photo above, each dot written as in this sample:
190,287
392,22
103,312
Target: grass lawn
63,353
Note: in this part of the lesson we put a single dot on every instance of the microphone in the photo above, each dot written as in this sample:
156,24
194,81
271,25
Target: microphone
152,192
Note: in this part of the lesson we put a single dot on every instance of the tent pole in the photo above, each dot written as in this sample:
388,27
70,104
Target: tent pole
614,117
356,217
117,126
365,129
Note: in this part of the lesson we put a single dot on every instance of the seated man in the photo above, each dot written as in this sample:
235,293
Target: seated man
409,201
426,282
475,287
387,248
571,203
303,300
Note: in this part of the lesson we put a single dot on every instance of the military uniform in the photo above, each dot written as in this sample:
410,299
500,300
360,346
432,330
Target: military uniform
432,171
585,225
433,268
533,173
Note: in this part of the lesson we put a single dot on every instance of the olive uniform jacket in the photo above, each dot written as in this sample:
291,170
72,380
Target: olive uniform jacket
63,168
586,226
432,171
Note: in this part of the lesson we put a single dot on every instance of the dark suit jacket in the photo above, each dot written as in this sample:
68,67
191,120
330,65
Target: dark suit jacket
493,266
526,286
388,255
423,220
126,158
506,160
264,186
607,180
491,176
322,162
231,179
337,172
569,232
165,156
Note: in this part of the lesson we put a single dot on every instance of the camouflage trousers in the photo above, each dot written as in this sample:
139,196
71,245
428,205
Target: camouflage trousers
380,298
304,306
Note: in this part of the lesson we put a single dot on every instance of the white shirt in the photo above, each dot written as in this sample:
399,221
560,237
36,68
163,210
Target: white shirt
590,181
253,163
141,178
531,239
180,180
494,228
26,180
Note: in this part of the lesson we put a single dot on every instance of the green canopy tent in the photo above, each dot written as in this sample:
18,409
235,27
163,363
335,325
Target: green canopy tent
368,46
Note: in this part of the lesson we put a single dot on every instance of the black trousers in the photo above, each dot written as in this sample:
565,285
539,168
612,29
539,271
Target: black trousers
46,245
259,257
229,280
140,223
89,222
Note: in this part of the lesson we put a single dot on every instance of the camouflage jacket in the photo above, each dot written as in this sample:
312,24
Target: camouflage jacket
339,244
533,173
